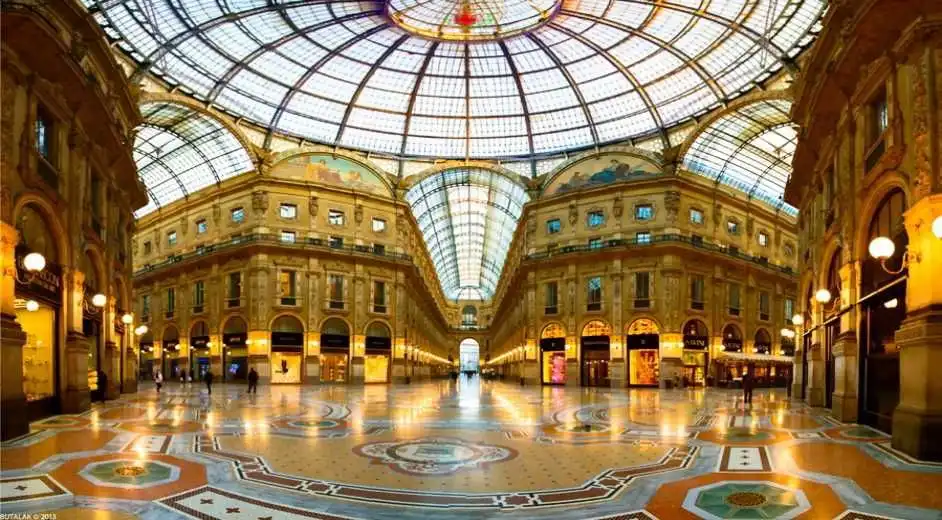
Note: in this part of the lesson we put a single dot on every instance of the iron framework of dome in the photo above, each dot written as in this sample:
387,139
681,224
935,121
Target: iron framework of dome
345,73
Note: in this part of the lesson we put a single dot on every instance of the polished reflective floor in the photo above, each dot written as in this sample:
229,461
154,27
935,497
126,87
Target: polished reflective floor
468,450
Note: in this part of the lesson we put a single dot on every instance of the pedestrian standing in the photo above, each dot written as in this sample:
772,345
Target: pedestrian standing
102,384
747,383
253,381
208,377
159,380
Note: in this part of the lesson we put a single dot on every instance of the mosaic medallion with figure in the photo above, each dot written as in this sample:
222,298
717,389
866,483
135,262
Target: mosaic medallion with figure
434,455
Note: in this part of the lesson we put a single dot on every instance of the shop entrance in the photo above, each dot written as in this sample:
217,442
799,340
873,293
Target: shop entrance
335,351
37,311
235,355
199,350
169,349
763,373
730,371
642,342
376,363
696,357
595,344
883,309
553,354
148,369
287,350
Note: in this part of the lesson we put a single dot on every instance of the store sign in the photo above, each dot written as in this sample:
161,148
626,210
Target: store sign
287,338
45,284
234,338
595,342
171,344
553,343
335,341
642,341
763,348
378,343
732,345
788,350
199,341
695,342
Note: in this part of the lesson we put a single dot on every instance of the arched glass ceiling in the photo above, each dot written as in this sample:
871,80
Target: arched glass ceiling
750,148
344,73
467,217
179,150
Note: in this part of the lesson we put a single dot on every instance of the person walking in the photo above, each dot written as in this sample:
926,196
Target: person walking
253,381
208,377
102,385
747,383
158,380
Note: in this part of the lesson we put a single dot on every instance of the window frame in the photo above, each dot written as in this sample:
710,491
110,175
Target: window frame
293,208
593,213
554,226
594,304
644,206
285,234
699,212
333,215
172,238
376,220
233,212
201,223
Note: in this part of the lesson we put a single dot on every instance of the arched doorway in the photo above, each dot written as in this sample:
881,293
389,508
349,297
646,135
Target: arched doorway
642,340
832,323
763,370
595,343
287,349
696,352
469,355
38,306
882,310
235,354
146,351
199,350
553,354
376,363
169,351
730,363
335,350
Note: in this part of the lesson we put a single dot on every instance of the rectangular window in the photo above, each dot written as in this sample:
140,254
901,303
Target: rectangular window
198,295
595,243
763,305
336,242
288,211
201,226
289,237
734,299
643,237
552,295
171,301
594,294
880,115
335,217
145,305
235,290
789,310
644,212
379,249
336,291
763,239
237,215
696,292
172,238
553,226
379,296
286,286
732,227
379,225
44,134
642,290
595,219
147,247
696,216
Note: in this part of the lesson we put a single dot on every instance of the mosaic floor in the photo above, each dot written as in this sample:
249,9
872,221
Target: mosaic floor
469,450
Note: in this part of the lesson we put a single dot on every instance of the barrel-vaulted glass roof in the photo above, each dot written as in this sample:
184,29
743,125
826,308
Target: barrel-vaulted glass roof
179,150
749,148
493,78
467,217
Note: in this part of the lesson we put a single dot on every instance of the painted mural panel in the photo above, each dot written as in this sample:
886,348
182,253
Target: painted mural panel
601,170
327,169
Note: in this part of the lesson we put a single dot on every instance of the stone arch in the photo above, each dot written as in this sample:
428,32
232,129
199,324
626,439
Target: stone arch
334,323
554,327
596,325
233,318
47,211
695,327
283,320
169,331
96,260
199,328
831,248
638,326
875,194
731,330
121,294
653,159
374,326
277,159
417,178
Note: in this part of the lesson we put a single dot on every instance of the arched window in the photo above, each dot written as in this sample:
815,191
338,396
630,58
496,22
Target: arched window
596,328
834,282
887,221
763,342
469,316
732,338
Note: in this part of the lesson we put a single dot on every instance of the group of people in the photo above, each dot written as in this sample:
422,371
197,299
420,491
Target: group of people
208,379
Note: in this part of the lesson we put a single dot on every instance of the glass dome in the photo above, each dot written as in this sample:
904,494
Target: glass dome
461,79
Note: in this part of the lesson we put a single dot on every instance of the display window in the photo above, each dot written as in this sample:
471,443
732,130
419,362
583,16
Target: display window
644,367
39,360
333,367
554,367
376,368
595,366
236,363
285,367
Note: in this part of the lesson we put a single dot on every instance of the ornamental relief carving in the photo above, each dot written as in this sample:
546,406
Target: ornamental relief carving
922,176
313,206
672,205
573,214
260,202
618,207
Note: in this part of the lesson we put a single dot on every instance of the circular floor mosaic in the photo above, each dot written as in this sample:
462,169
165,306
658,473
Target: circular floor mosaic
130,473
746,500
434,455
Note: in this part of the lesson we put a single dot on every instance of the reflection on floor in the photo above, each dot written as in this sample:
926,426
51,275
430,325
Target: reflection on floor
468,450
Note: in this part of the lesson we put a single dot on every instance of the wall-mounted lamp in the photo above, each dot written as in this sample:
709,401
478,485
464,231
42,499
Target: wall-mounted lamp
937,227
798,320
822,296
787,333
32,305
99,300
34,263
891,304
140,331
127,319
882,248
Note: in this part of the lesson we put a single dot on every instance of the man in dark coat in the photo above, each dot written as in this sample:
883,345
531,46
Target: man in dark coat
208,377
747,383
253,381
102,385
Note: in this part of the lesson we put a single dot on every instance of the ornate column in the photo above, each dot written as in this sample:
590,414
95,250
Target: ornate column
617,367
75,394
357,339
12,339
816,367
845,350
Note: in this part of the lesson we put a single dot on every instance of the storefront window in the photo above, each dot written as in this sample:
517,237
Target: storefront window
375,368
554,367
39,350
644,367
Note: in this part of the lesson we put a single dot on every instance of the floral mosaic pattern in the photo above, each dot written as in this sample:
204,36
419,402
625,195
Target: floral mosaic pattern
434,455
757,500
128,473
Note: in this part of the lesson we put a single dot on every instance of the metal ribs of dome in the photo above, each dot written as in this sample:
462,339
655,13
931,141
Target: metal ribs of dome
342,73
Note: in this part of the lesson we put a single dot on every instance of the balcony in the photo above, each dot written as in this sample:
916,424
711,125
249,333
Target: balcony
233,302
734,311
764,316
198,309
288,301
642,303
697,306
336,305
593,306
379,309
550,310
168,315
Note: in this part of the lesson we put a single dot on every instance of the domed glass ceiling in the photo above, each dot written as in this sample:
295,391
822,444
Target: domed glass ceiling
512,78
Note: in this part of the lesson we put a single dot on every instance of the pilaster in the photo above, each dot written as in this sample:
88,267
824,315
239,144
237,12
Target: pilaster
844,399
110,363
75,396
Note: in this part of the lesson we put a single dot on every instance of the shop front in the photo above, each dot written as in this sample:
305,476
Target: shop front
553,355
172,365
199,350
762,373
287,350
378,359
38,307
235,354
146,363
696,357
642,342
595,347
730,368
335,351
